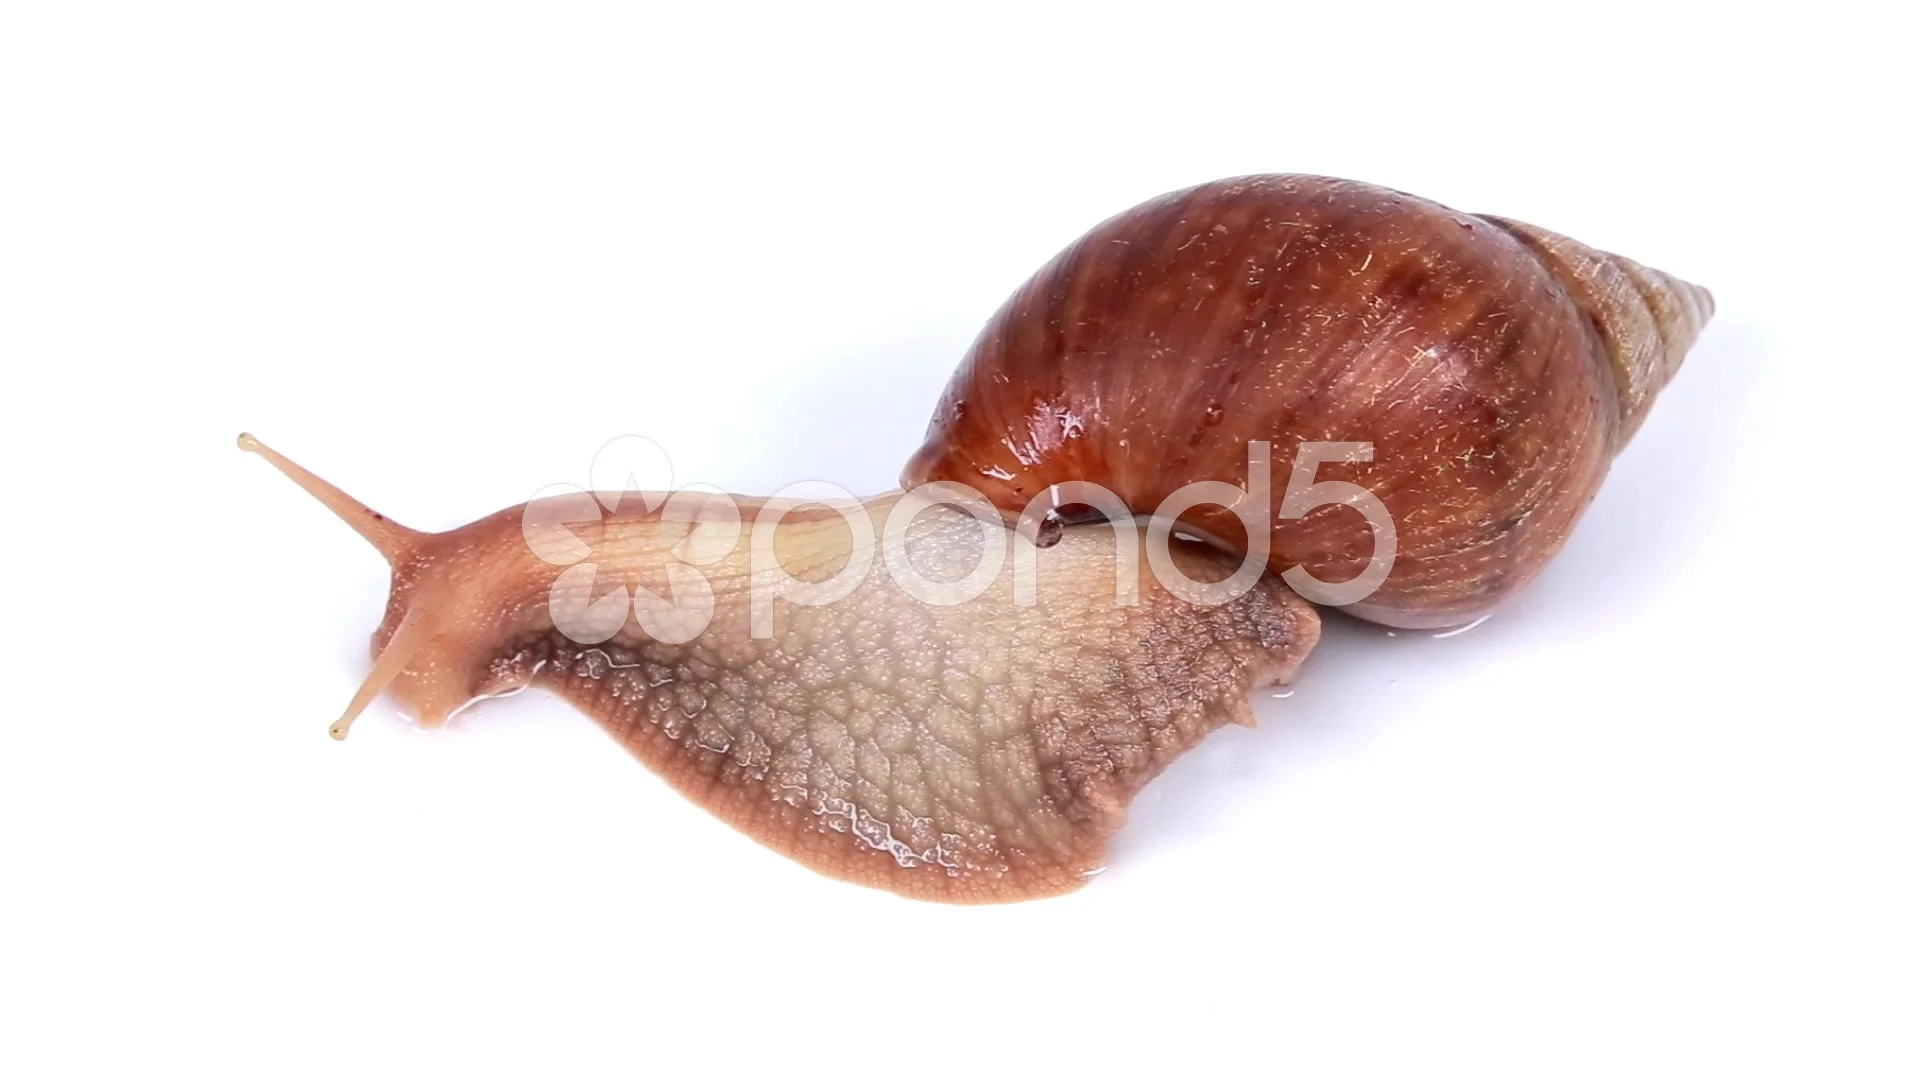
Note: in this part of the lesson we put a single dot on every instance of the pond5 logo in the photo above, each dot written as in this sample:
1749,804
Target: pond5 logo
667,534
697,526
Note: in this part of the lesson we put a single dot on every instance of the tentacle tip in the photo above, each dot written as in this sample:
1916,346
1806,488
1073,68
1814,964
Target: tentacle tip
338,729
392,539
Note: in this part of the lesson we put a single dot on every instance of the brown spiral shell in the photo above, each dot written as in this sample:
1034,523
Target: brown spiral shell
1495,368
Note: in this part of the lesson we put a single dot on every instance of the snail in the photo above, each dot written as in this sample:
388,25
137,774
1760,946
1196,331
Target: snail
878,691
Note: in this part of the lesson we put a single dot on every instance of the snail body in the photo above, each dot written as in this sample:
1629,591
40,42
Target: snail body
978,750
1493,369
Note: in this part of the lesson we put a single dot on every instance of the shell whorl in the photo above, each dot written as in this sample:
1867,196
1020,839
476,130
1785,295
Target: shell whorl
1646,319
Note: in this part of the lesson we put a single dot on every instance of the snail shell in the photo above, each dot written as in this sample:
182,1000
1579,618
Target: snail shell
1494,367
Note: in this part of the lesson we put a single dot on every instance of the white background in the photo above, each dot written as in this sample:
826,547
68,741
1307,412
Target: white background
1657,817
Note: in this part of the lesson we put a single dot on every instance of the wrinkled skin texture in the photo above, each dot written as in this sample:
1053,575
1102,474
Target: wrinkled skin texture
979,752
1495,368
970,752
